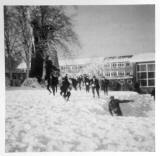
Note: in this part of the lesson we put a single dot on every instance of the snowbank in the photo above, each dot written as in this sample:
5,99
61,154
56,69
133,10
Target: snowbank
31,82
37,121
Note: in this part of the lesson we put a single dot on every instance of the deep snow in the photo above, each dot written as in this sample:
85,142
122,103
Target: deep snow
37,121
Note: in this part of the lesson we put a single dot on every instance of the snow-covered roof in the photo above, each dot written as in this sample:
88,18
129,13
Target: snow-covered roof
81,61
22,66
143,57
125,58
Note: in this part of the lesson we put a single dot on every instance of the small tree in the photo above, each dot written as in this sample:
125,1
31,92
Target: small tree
26,34
11,36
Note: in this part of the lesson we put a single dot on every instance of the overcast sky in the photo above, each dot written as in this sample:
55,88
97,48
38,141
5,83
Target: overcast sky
115,30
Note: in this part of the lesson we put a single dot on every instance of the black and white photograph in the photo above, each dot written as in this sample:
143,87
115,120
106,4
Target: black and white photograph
79,78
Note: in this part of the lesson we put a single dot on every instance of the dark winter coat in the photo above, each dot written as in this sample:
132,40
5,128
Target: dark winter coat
95,83
114,108
48,69
87,82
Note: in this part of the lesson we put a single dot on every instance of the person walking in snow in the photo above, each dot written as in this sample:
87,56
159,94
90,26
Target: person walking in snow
95,86
79,82
54,82
87,84
106,85
65,86
49,68
74,83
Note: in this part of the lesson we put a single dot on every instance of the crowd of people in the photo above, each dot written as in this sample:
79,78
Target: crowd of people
92,84
66,83
88,83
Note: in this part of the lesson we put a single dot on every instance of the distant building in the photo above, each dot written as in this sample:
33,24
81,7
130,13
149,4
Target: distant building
144,69
118,67
77,66
138,67
129,68
17,76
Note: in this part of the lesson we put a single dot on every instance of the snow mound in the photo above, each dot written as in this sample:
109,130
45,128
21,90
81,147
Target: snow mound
31,82
138,105
37,121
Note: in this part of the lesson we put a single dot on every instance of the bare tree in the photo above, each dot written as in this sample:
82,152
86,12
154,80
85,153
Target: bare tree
26,34
11,35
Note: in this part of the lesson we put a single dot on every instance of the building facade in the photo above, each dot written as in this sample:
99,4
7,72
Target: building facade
78,66
129,68
138,67
145,70
118,67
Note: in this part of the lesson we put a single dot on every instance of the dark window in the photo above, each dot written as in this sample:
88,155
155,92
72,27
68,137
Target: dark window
151,74
128,74
151,67
114,73
143,82
127,64
114,65
142,67
107,74
139,75
143,75
121,73
151,82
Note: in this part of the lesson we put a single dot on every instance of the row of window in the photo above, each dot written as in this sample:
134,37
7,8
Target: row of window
147,83
117,74
75,67
108,65
146,74
146,67
117,65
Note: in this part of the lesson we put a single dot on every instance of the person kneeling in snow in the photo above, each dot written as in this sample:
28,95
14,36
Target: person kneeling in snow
114,107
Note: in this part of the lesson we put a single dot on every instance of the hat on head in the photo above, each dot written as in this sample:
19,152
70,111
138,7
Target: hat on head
111,97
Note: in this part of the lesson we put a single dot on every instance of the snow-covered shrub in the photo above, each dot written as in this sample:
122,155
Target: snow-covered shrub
31,82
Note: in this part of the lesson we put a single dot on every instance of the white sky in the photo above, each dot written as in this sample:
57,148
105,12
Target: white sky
115,30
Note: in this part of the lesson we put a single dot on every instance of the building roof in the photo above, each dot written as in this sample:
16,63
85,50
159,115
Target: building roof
125,58
22,66
143,57
81,61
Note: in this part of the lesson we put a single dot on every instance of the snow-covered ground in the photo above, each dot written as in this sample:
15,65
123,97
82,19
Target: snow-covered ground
37,121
